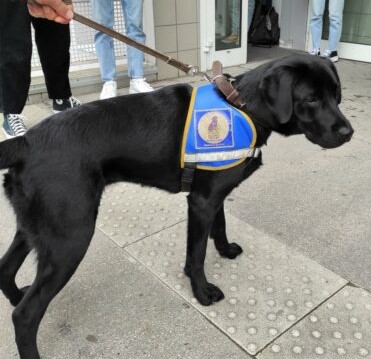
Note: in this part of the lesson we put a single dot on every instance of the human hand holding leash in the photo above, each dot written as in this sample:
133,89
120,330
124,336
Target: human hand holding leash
60,11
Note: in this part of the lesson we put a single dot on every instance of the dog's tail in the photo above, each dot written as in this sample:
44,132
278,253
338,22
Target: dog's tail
12,151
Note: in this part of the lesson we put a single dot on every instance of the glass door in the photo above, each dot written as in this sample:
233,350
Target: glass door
355,42
223,25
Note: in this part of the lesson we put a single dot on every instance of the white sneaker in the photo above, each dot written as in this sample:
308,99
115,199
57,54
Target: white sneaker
315,52
332,55
109,90
139,85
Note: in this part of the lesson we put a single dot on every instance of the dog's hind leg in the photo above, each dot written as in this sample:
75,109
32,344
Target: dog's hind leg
9,266
219,235
57,261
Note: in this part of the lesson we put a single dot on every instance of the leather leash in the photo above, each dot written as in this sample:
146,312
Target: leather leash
223,84
127,40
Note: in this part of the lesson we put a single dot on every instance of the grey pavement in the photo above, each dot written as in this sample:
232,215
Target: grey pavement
300,290
317,201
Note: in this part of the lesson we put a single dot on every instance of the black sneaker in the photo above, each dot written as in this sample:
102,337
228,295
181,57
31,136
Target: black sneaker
62,104
13,125
332,55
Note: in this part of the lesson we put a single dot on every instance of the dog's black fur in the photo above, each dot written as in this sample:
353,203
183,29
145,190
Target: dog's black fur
58,170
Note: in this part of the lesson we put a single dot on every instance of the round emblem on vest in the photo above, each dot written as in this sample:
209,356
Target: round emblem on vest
213,127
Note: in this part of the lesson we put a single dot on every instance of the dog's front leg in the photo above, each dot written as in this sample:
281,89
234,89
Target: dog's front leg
219,235
201,213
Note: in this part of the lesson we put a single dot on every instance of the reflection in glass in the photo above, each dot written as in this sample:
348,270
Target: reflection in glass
227,24
356,22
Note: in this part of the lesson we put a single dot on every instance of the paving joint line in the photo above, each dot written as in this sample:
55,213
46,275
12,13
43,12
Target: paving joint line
178,294
188,302
302,318
214,324
146,236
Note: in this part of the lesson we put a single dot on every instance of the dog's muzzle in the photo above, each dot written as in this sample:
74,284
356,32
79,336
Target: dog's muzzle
345,133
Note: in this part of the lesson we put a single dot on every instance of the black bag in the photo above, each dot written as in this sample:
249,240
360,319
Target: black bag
265,30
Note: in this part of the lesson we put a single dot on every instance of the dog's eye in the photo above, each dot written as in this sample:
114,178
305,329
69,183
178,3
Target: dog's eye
312,99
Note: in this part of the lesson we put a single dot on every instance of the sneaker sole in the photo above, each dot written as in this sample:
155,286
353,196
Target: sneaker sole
70,108
333,59
106,98
7,134
135,91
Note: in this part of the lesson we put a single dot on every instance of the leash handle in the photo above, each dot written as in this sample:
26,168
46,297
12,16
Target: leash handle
127,40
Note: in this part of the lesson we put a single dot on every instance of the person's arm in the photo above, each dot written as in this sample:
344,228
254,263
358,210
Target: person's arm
55,10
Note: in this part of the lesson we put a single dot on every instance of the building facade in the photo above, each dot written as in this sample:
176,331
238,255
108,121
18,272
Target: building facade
198,32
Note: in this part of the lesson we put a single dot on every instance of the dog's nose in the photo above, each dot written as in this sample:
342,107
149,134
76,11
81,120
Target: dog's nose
346,132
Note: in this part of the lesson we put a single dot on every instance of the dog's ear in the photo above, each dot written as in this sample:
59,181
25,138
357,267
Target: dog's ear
332,72
337,79
276,89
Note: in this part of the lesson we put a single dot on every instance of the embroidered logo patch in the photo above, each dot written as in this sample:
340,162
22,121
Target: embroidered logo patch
216,135
214,128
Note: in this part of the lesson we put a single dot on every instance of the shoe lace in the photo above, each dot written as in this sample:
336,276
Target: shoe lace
143,84
314,51
326,53
16,124
74,102
109,86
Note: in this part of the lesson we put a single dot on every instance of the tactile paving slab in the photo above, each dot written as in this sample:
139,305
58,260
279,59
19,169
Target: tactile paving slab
340,328
129,212
267,289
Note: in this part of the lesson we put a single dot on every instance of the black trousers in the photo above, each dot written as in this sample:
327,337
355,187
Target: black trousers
53,44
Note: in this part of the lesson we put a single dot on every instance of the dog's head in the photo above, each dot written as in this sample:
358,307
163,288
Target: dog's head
302,95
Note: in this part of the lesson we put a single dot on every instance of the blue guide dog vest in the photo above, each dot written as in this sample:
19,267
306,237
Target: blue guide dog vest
217,135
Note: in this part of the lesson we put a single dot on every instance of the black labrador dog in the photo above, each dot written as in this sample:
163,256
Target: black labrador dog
58,171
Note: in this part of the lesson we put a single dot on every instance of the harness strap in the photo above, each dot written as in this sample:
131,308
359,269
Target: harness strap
190,168
187,176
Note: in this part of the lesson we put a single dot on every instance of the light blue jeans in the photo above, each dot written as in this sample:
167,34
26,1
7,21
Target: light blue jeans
250,12
103,12
336,8
235,15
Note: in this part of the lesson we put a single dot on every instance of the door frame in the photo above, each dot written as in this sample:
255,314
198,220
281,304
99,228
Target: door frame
208,54
149,28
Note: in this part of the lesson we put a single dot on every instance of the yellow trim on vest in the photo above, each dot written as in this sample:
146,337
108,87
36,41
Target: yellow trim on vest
234,164
248,119
186,127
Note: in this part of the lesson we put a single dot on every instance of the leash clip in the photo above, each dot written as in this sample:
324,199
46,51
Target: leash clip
195,71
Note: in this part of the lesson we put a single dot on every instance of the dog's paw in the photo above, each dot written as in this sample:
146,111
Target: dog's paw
208,294
231,252
18,296
187,270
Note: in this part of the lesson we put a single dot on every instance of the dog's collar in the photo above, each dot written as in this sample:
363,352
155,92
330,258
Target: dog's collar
225,86
230,93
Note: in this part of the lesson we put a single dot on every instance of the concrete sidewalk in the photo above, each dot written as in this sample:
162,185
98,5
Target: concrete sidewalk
300,289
